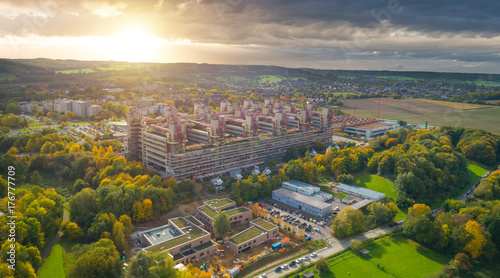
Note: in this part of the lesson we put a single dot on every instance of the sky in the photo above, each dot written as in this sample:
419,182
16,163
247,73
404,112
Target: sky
414,35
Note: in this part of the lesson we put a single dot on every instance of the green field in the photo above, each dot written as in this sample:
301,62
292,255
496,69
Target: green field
6,78
270,78
486,119
115,67
341,93
75,71
53,266
400,257
381,184
400,78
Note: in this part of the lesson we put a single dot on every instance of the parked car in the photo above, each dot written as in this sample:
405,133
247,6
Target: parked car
336,209
314,255
316,230
292,263
278,269
306,258
285,266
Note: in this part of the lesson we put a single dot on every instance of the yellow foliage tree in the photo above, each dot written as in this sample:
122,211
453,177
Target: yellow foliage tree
418,209
138,212
477,242
148,209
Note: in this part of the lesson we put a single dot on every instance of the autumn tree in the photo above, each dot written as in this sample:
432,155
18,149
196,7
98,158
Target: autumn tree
477,239
71,231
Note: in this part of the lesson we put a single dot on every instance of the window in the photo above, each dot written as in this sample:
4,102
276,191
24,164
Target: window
201,254
241,216
246,219
201,242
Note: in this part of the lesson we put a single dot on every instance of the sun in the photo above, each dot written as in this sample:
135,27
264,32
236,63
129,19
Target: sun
132,45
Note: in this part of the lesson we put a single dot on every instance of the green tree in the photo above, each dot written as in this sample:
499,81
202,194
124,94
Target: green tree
221,224
322,265
101,261
291,154
35,178
127,224
118,236
71,231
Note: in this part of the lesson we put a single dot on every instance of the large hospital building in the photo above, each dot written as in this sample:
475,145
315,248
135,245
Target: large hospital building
208,143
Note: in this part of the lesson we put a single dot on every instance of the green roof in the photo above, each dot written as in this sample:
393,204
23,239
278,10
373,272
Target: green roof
264,224
204,246
246,235
237,211
217,203
193,220
194,233
208,211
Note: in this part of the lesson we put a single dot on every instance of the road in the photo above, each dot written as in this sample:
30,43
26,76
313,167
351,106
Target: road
334,247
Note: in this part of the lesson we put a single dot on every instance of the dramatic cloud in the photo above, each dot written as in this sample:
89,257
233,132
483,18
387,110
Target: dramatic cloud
458,35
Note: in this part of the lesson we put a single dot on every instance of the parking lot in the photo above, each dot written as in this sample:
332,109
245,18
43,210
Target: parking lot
310,226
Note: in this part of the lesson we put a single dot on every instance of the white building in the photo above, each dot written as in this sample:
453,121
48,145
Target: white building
306,189
302,202
370,130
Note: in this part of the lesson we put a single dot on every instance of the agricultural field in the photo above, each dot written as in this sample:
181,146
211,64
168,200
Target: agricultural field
388,257
381,184
53,265
341,93
270,78
115,67
399,78
6,78
416,111
75,71
456,105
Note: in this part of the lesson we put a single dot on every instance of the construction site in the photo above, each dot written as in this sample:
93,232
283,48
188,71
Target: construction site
188,239
208,143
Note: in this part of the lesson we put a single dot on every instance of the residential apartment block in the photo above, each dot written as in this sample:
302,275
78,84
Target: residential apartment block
210,143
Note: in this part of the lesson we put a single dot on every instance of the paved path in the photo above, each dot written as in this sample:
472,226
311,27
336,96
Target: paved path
334,247
54,240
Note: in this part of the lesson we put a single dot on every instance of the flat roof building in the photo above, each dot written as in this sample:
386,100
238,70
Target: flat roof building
259,232
306,189
237,215
302,202
184,240
360,191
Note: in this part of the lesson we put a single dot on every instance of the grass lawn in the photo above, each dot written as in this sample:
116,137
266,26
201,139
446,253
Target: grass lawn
53,266
323,179
400,257
381,184
63,187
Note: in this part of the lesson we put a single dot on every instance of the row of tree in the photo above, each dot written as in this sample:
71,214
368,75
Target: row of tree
350,222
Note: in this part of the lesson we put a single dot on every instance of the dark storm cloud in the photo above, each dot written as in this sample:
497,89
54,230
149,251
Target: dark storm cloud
314,30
